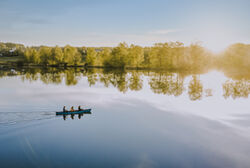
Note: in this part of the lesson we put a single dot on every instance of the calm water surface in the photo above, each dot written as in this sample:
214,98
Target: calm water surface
139,119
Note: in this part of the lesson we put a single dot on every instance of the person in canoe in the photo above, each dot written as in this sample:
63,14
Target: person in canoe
79,108
64,109
72,109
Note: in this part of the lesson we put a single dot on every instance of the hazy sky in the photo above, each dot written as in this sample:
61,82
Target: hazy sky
216,23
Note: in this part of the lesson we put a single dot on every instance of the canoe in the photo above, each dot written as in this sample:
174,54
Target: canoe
74,112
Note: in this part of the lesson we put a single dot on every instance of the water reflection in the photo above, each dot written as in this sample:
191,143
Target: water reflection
156,109
195,88
72,116
167,83
160,82
236,89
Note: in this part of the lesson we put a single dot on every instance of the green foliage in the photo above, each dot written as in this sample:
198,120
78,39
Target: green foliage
91,56
32,56
11,49
69,54
53,55
159,55
162,55
77,58
135,56
171,55
57,55
45,55
105,56
119,56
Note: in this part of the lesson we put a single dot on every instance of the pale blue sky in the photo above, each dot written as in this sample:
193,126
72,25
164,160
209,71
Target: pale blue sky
216,23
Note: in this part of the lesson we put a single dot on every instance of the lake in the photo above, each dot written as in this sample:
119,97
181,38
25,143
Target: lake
139,118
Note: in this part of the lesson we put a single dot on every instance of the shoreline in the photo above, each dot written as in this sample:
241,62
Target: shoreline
16,65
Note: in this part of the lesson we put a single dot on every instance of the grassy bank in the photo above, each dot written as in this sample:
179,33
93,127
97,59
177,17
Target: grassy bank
13,59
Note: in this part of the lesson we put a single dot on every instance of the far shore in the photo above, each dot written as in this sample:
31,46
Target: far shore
19,64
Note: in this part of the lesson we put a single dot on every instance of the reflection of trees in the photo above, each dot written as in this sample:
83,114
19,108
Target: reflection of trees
49,76
167,83
195,88
30,75
105,78
4,73
237,75
119,80
136,82
92,76
52,75
236,89
71,77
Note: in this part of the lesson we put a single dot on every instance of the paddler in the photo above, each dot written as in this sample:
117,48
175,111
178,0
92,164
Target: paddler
79,108
72,109
64,109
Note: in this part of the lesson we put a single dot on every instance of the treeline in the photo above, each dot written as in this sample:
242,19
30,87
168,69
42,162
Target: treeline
44,55
171,55
11,49
237,56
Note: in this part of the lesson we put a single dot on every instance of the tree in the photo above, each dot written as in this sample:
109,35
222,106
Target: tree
91,56
45,54
77,58
58,55
28,55
105,56
135,56
236,56
69,53
32,56
177,54
197,56
159,56
119,56
3,48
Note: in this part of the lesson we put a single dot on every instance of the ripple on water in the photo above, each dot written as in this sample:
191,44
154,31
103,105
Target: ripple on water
8,118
